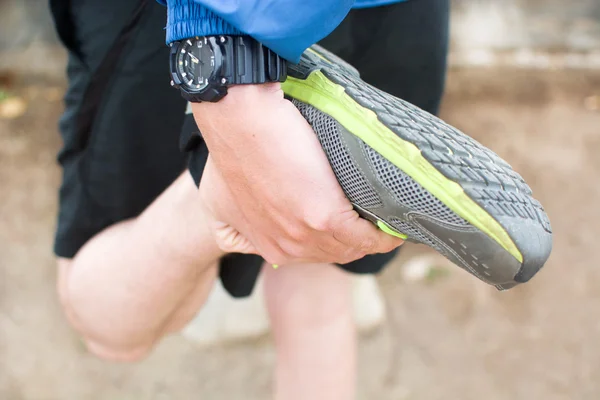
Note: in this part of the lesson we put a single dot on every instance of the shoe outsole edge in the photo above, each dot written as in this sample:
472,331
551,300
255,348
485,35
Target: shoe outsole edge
313,83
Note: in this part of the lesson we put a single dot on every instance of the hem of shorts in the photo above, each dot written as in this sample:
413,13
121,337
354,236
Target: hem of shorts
371,264
66,249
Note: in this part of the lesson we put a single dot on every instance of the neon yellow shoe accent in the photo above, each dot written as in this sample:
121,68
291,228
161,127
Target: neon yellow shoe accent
332,99
387,229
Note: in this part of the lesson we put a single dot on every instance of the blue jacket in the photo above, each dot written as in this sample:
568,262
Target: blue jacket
287,27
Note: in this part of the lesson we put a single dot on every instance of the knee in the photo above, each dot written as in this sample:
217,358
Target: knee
110,348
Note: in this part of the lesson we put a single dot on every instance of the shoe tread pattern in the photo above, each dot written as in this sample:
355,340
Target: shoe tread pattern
485,177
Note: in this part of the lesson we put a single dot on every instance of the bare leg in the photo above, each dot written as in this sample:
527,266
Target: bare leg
140,279
310,307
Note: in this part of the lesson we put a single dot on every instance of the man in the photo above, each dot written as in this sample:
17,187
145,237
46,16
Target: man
135,264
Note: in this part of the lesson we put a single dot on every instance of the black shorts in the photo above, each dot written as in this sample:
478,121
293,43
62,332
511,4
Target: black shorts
122,122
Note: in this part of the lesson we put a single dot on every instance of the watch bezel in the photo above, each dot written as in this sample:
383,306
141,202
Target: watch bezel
216,89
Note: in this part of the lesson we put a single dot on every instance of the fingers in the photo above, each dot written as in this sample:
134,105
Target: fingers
354,239
230,240
351,238
339,238
320,248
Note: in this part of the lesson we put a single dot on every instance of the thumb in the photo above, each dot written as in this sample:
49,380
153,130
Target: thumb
360,234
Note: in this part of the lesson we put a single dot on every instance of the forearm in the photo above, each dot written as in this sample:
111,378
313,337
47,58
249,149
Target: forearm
123,288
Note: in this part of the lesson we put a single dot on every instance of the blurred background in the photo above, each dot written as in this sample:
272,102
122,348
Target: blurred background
524,80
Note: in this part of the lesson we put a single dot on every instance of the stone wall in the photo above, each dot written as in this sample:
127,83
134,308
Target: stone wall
554,25
531,33
498,25
23,22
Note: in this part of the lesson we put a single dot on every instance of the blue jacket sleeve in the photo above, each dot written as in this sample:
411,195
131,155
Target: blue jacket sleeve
287,27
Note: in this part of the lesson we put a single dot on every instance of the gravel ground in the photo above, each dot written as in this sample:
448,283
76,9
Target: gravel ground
448,337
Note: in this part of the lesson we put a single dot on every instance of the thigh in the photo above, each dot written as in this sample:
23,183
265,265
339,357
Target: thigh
400,48
122,119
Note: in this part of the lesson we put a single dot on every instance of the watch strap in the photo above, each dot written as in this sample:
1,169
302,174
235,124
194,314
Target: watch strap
246,61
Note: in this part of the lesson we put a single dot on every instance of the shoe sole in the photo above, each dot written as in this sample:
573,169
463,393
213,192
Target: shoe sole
506,235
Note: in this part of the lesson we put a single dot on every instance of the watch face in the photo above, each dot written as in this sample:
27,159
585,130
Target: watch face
195,63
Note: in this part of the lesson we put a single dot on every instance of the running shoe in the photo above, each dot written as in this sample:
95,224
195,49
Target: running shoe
418,178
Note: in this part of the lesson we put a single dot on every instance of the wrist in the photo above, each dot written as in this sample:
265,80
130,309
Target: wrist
235,104
224,125
204,69
238,97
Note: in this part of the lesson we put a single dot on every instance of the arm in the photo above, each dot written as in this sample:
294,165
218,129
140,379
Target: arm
293,208
270,190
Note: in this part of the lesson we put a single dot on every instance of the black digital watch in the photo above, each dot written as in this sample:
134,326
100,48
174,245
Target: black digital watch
202,68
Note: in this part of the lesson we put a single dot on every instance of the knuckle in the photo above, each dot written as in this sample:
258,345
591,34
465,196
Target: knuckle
320,222
290,249
223,240
297,233
224,236
330,250
368,245
298,253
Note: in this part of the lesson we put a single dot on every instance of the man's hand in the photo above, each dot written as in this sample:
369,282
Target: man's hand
271,185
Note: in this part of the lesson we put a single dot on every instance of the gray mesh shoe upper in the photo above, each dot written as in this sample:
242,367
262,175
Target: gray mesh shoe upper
384,192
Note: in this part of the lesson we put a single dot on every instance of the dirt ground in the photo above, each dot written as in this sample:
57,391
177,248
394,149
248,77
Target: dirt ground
446,338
